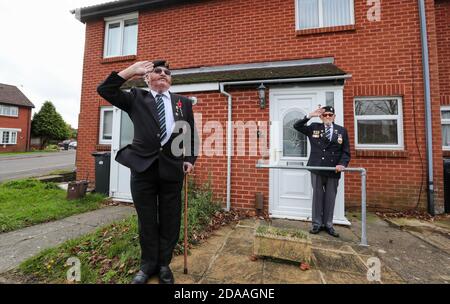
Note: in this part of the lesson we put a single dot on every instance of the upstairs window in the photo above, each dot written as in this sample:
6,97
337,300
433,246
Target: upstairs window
121,35
9,111
324,13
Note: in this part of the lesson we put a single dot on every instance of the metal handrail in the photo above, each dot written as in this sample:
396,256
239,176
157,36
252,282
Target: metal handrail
363,173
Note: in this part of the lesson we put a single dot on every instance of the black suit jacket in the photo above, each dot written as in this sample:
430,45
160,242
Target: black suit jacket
326,153
146,147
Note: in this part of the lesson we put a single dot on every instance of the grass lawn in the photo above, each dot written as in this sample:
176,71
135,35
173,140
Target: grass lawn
27,202
112,253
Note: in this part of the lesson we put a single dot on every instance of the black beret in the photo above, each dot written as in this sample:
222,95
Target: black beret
328,109
160,62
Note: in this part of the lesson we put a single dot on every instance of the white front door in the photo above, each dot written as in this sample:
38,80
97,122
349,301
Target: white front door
123,132
291,190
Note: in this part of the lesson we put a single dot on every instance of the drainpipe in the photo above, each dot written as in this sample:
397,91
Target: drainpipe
229,143
428,127
229,120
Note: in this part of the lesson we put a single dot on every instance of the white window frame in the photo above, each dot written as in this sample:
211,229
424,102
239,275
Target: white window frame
10,108
10,131
445,122
102,141
297,17
121,19
400,145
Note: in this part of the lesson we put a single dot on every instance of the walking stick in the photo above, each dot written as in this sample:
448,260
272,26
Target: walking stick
185,221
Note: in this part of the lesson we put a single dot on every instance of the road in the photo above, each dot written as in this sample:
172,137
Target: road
21,166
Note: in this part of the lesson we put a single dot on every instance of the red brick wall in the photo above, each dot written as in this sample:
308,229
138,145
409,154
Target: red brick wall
23,121
443,44
383,57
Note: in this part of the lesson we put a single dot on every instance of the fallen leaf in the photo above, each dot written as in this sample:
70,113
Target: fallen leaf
253,258
304,266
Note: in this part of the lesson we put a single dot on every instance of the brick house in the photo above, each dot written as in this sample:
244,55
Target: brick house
15,119
364,59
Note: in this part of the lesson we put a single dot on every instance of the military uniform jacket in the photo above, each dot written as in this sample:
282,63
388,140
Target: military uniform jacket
146,146
325,153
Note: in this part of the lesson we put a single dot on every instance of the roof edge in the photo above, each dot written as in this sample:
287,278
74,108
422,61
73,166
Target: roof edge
84,14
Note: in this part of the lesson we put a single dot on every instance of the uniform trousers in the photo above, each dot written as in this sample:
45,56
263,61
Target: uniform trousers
324,198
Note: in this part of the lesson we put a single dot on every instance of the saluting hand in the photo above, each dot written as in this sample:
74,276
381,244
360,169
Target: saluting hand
316,113
139,68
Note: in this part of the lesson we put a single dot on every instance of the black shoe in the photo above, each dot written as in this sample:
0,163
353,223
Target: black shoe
332,232
165,275
140,278
315,230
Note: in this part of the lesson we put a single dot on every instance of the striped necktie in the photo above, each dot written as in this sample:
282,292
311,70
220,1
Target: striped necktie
328,132
161,116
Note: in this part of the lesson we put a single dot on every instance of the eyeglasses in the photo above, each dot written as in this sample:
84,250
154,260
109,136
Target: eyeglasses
328,115
160,70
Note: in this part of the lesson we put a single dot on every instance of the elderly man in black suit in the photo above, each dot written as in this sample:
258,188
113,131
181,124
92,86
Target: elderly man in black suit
154,158
329,148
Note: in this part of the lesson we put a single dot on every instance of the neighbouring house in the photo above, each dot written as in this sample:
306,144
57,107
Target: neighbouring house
15,119
267,63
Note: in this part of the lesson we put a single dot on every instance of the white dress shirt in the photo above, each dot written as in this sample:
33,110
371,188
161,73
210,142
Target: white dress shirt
170,121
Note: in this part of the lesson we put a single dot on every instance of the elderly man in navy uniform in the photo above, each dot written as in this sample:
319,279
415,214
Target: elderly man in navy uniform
157,167
329,148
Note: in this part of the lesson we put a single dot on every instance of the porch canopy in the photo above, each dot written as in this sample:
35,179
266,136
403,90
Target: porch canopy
311,69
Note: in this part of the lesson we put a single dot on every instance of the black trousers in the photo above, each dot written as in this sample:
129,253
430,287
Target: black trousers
158,206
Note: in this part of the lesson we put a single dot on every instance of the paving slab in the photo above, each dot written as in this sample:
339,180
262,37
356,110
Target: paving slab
284,273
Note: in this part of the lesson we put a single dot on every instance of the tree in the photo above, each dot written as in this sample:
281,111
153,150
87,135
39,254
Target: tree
49,124
73,133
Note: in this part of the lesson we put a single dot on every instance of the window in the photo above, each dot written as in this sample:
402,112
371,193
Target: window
9,111
121,35
106,120
445,124
8,136
324,13
379,123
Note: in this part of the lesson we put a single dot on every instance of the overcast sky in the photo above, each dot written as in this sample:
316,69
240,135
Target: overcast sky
41,52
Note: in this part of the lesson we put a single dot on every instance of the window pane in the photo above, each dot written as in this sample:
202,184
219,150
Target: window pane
113,48
329,99
126,130
14,111
445,114
376,107
294,142
5,137
308,11
130,37
336,12
107,125
13,137
6,111
383,132
446,135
